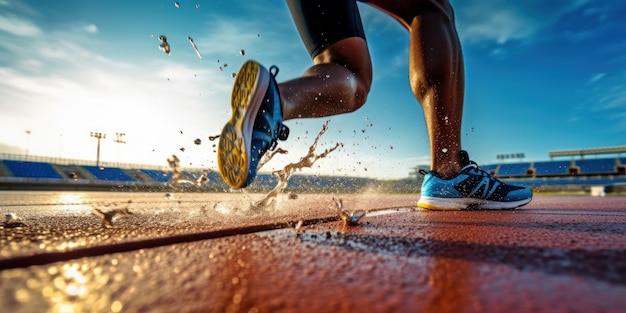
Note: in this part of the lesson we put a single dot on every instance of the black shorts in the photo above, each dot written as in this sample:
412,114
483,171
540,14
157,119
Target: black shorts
321,23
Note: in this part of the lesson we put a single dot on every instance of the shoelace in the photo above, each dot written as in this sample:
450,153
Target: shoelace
475,168
482,172
282,131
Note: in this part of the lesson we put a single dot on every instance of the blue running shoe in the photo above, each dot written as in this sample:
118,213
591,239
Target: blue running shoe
255,126
471,188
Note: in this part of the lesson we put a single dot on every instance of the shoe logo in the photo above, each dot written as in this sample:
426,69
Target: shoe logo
482,187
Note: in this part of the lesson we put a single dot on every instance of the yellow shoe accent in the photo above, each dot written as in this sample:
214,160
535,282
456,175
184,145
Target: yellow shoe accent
233,158
431,207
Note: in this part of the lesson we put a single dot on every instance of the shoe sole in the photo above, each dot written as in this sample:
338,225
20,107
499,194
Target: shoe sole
456,204
235,140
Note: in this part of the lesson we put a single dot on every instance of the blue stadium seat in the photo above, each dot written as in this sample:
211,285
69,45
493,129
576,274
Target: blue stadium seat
31,169
513,169
158,176
596,166
548,168
108,173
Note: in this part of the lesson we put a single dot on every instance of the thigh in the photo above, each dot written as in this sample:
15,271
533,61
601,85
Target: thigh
405,10
322,23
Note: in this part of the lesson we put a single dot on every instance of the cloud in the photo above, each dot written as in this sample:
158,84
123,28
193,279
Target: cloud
75,89
18,26
596,78
501,26
91,28
614,98
502,21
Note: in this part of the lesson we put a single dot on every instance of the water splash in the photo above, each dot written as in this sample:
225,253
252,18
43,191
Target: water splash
11,221
164,46
284,174
174,164
107,216
349,218
177,179
193,44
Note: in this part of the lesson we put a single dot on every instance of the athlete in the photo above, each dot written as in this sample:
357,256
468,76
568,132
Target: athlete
339,81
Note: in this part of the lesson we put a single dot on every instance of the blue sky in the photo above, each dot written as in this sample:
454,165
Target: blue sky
541,76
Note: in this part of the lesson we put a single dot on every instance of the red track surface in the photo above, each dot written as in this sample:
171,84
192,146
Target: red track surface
558,254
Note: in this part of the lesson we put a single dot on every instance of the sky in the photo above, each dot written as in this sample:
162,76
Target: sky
540,76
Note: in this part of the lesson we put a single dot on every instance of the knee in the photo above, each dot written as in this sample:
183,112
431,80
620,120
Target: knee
360,94
421,87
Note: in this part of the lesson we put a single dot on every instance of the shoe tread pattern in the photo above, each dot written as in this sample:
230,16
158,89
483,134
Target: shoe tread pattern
233,159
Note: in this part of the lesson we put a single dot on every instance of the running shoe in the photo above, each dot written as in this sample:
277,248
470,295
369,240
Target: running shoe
255,126
471,188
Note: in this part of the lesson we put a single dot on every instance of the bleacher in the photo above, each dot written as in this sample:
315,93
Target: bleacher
24,174
157,175
584,167
31,169
108,173
551,168
596,166
35,173
603,166
513,169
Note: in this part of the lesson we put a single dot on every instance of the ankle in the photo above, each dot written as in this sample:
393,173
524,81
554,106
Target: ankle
446,172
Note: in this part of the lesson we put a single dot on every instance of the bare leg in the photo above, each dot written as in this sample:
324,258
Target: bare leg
342,75
436,74
338,82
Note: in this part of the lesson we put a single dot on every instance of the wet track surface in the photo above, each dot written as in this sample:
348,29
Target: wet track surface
211,253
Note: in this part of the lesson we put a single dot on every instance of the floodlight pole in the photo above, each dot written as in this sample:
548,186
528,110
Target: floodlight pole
98,136
119,139
27,140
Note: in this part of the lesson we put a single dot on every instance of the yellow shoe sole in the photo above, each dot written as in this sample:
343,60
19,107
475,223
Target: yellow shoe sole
235,140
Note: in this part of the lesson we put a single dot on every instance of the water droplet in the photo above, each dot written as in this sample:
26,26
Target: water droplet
164,46
444,150
242,52
197,5
177,5
195,48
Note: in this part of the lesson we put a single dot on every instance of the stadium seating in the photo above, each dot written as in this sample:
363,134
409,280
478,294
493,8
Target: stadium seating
513,169
552,168
31,169
108,173
585,172
159,176
596,166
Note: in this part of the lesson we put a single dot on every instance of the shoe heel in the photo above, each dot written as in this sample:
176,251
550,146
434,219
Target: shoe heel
232,159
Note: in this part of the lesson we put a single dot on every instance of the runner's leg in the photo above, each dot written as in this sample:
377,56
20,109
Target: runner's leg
341,76
436,74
